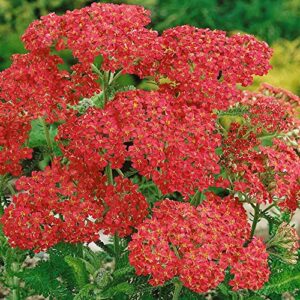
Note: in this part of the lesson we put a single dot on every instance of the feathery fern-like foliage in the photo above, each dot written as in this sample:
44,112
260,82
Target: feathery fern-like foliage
284,278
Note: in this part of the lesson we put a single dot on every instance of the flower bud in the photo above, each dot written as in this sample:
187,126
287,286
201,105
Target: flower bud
285,243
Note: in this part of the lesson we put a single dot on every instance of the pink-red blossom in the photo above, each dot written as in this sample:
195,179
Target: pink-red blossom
198,245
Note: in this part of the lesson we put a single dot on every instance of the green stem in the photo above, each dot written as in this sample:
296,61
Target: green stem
11,189
197,198
5,183
3,178
268,208
105,248
107,78
177,290
97,71
117,247
174,248
15,283
255,221
105,86
115,77
274,254
267,136
110,180
109,174
47,136
120,172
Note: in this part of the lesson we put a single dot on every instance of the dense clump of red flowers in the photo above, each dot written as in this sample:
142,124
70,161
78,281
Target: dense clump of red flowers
206,65
58,205
14,130
161,134
195,132
198,245
36,87
126,208
288,100
50,208
117,32
263,172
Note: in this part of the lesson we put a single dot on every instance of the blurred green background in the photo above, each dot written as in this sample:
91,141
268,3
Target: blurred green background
275,21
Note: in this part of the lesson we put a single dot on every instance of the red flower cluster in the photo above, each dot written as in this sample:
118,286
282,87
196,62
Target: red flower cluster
36,87
269,114
161,136
285,165
205,66
116,32
13,133
198,245
193,59
126,208
57,205
288,100
51,208
202,65
93,140
253,257
264,173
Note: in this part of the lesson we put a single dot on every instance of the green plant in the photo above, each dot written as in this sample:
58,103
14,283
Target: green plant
166,173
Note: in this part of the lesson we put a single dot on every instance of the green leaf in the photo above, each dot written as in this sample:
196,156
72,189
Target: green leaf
37,136
147,297
57,259
91,269
123,271
219,151
227,120
43,280
64,249
98,100
79,270
268,142
44,162
221,192
85,292
121,288
284,278
224,289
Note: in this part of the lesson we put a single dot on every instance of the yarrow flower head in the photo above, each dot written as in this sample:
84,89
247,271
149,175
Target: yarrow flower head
263,173
256,154
198,244
204,66
159,134
13,134
57,205
116,32
50,208
126,208
36,87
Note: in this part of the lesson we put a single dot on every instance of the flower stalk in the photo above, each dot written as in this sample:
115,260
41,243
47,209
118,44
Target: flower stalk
177,290
47,137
